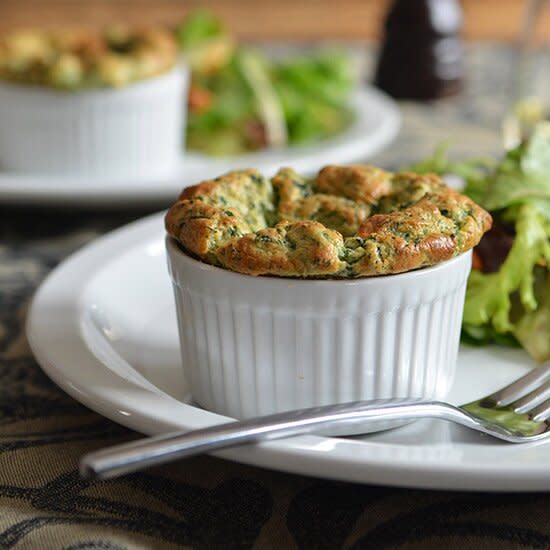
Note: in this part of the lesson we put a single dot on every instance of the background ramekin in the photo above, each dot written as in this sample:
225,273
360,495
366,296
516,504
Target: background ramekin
259,345
137,130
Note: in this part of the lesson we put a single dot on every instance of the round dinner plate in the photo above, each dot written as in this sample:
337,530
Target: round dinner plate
103,327
377,122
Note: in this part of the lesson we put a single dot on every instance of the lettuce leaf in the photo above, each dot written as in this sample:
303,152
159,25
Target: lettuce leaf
512,305
536,159
524,175
532,329
488,297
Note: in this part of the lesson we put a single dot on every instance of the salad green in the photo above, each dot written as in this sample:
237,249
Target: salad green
510,304
240,100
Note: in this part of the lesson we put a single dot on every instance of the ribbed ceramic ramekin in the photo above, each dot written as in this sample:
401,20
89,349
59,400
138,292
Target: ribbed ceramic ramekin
132,131
259,345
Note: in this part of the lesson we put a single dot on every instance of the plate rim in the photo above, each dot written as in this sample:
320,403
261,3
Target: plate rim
325,457
37,189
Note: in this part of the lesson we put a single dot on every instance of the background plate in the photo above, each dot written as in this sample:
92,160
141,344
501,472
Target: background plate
376,125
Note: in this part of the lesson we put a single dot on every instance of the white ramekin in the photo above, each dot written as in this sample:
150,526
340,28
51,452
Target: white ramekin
259,345
132,131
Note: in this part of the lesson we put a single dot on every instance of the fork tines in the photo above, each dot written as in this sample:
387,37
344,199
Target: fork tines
529,394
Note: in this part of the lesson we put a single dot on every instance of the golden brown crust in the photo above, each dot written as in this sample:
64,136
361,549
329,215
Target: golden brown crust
202,228
405,240
289,187
435,228
287,227
358,182
470,219
299,249
245,190
337,213
407,188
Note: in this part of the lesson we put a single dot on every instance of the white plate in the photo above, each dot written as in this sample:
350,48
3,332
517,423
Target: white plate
103,327
377,123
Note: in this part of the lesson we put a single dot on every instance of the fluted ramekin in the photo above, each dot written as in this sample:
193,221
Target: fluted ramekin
132,131
260,345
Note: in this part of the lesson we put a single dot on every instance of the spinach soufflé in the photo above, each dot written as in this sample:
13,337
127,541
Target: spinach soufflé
347,222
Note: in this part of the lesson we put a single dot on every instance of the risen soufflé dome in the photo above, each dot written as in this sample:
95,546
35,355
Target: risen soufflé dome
347,222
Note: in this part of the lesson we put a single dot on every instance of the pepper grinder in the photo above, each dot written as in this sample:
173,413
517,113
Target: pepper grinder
421,56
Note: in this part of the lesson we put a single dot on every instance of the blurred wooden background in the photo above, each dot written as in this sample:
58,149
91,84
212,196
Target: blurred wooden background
261,19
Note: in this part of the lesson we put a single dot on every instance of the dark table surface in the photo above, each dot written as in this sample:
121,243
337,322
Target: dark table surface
208,502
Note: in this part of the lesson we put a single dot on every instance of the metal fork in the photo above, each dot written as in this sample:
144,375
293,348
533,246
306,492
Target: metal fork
517,413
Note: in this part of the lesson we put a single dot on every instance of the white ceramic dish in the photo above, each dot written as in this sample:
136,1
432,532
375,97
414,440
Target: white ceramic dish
376,125
259,345
135,131
109,338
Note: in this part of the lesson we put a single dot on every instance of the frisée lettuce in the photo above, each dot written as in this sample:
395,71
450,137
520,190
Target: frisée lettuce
512,304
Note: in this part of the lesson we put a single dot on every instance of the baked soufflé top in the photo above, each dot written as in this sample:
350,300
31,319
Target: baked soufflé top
347,222
79,59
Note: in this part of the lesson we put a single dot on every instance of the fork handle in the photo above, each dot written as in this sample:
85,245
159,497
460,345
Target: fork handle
355,417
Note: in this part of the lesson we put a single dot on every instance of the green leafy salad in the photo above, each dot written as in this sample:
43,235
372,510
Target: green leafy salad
240,100
508,295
